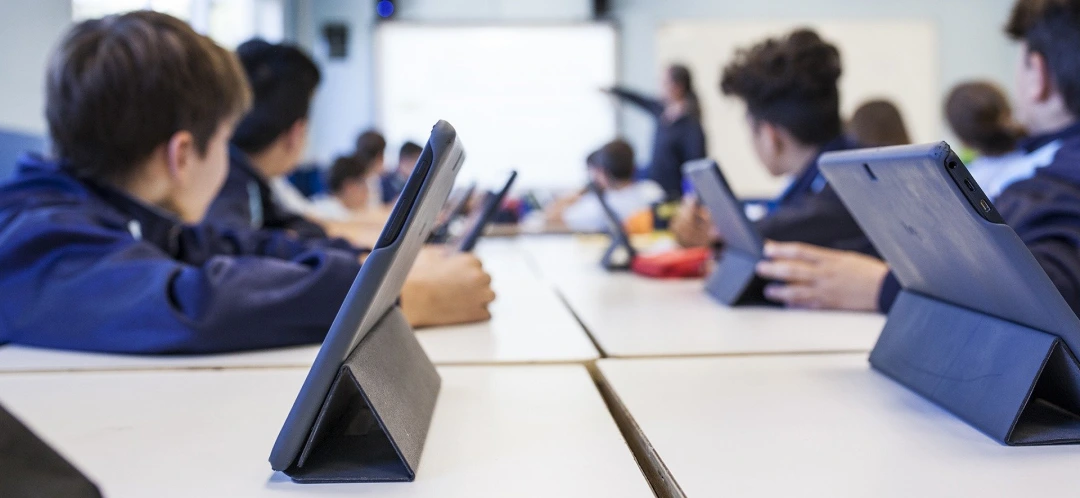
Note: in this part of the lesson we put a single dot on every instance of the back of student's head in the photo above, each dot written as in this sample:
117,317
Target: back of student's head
371,142
878,123
119,87
410,150
617,160
283,79
790,82
1051,28
978,112
593,159
350,168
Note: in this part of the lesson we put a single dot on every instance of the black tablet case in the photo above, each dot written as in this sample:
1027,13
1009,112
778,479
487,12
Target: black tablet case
734,277
620,254
374,418
492,202
979,328
30,468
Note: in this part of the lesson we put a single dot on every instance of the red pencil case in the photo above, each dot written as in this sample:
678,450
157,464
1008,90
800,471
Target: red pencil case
677,263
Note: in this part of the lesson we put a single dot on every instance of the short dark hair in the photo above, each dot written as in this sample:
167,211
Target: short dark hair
410,149
371,142
617,159
790,82
119,87
878,123
283,79
979,113
346,168
1051,28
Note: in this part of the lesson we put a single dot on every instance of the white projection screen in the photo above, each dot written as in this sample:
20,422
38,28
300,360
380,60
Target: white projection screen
521,96
896,59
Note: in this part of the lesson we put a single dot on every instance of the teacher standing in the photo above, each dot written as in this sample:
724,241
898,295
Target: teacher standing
679,136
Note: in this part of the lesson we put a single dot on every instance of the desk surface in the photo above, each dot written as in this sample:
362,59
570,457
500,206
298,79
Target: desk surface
537,431
529,325
819,425
632,316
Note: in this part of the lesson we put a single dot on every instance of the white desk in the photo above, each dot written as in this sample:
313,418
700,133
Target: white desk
497,431
819,425
632,316
529,325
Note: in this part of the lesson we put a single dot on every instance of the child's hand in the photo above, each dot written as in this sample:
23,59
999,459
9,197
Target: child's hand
820,278
445,288
692,226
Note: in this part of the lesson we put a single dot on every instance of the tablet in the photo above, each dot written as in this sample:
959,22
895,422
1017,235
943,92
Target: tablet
378,285
455,208
943,238
620,254
480,220
726,211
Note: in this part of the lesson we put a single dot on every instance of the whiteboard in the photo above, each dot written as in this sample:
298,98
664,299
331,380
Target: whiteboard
897,60
524,97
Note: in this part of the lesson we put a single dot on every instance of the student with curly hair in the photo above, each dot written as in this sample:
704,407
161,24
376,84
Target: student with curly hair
789,85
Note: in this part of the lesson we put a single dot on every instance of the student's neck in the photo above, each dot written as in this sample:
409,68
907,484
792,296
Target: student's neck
621,184
267,163
1052,123
800,156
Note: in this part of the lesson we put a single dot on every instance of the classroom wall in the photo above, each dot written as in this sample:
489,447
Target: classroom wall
28,31
972,43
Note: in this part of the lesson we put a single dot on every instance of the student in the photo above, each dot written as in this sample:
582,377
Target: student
679,136
612,169
349,188
789,85
102,248
979,114
393,182
878,123
1044,210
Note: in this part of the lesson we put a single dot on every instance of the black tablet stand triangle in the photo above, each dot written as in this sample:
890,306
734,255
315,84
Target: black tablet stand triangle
374,421
734,277
1018,385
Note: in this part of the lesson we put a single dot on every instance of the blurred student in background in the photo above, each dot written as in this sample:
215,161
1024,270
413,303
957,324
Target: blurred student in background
979,114
1043,209
350,189
877,123
679,136
109,232
268,144
612,169
393,182
789,85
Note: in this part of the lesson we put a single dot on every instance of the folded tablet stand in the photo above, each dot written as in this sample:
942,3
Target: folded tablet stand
29,467
730,282
1018,385
375,419
619,254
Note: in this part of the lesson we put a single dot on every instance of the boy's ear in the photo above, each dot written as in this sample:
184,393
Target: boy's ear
1043,81
180,155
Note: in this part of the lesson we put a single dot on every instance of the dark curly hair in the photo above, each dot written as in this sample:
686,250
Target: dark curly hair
790,82
1051,28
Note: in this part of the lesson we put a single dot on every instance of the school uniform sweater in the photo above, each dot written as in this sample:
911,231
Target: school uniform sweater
84,266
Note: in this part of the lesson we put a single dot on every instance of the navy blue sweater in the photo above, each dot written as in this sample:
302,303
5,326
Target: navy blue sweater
810,211
675,142
86,267
1044,210
247,203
